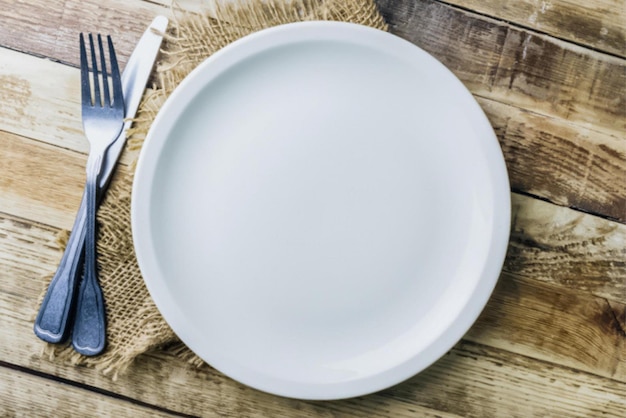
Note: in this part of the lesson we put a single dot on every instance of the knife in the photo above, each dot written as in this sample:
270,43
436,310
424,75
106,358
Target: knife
55,315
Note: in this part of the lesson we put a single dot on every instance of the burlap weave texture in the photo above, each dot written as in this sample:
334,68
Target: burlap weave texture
134,325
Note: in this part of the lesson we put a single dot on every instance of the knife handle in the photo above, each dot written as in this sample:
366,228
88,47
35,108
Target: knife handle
54,318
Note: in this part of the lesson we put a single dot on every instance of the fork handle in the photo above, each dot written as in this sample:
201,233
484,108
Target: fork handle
89,333
55,313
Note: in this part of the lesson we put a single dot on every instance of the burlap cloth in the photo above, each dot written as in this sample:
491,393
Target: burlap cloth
134,325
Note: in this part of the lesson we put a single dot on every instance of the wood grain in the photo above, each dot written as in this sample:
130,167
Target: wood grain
518,325
567,248
46,182
50,28
572,164
556,325
29,250
549,243
546,156
551,77
597,24
471,381
495,60
489,382
34,107
566,164
25,395
525,69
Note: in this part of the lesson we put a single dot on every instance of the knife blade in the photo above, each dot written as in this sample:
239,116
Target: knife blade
134,79
53,321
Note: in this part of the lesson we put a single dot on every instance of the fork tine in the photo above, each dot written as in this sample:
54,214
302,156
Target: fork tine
105,81
94,67
84,73
118,100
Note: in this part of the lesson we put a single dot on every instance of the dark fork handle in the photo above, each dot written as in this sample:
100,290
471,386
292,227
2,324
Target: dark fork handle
54,317
89,335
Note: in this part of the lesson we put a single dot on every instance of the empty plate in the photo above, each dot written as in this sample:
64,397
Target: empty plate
321,210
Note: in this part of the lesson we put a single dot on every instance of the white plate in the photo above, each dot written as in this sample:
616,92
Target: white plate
321,210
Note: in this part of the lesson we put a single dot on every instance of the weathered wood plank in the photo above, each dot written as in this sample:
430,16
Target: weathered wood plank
45,183
472,380
562,80
566,164
495,60
40,99
549,243
50,28
552,322
546,156
557,147
25,395
162,380
517,67
567,248
33,107
550,342
598,24
514,386
549,323
28,252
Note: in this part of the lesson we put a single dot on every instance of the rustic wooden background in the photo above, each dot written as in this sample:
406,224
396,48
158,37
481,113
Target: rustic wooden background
551,76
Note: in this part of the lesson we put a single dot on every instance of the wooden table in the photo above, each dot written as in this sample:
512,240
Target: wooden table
551,76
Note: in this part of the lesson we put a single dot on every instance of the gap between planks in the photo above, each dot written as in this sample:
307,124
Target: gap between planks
57,394
516,15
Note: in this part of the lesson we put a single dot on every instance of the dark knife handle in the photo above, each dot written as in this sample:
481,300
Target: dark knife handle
54,319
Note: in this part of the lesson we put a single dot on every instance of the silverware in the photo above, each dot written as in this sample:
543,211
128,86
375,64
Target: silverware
55,316
103,120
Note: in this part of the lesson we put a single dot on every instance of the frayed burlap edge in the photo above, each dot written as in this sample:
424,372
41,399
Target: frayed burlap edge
134,324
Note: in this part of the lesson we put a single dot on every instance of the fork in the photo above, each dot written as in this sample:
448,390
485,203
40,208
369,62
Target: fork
103,119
